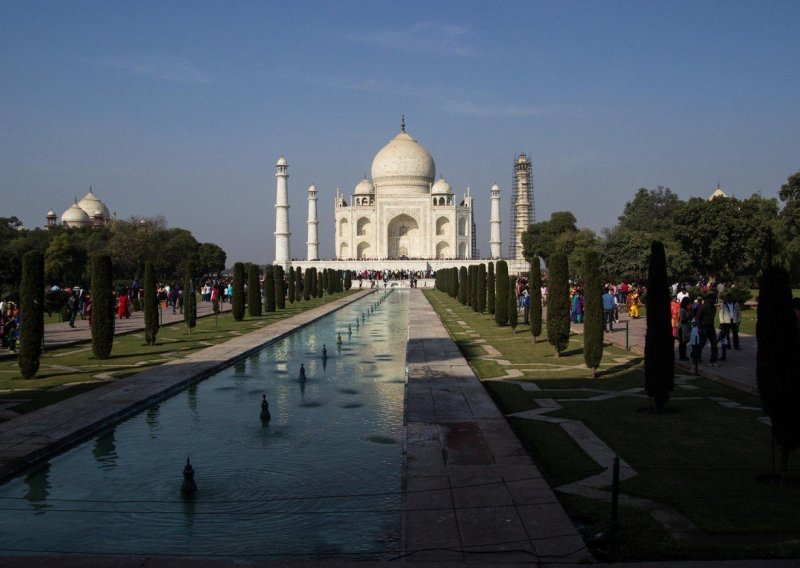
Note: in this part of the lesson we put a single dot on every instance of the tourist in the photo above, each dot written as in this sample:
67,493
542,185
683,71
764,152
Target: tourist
706,314
72,307
730,316
633,304
674,312
608,309
685,317
123,306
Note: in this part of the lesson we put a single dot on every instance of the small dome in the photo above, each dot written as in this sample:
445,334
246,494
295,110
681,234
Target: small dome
282,162
51,213
441,186
364,187
495,187
90,204
75,217
312,187
403,158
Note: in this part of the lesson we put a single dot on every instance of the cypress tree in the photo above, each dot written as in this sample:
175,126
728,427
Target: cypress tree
320,285
308,281
501,293
536,298
299,284
313,287
592,312
150,304
490,289
31,313
778,362
348,280
253,292
103,307
269,290
659,349
463,285
513,314
481,288
454,293
474,286
339,279
237,301
325,285
558,303
279,290
292,286
189,298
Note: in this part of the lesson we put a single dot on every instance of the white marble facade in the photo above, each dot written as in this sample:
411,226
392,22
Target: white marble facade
401,213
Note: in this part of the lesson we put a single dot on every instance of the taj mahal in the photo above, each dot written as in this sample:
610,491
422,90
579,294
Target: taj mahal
404,217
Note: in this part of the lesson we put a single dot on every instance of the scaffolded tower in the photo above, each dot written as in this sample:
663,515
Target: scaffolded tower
522,210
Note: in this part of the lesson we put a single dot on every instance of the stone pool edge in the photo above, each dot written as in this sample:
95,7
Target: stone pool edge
51,430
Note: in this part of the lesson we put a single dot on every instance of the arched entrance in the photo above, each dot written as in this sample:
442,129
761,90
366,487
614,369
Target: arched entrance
403,237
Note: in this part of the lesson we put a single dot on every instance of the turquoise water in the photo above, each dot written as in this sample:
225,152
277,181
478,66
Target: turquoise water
321,478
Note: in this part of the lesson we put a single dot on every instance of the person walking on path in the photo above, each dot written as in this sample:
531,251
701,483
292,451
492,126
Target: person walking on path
706,314
608,310
72,306
685,318
730,316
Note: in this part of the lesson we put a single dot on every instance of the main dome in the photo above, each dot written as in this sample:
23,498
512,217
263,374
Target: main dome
403,161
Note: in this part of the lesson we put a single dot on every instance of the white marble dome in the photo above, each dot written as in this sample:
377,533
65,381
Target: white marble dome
75,217
364,187
90,204
403,161
282,162
441,187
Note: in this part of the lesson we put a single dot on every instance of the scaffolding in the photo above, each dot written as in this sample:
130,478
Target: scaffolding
522,209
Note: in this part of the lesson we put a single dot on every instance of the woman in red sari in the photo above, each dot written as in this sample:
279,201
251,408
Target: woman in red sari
123,306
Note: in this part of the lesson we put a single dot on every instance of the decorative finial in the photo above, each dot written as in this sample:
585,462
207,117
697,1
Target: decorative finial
90,189
402,123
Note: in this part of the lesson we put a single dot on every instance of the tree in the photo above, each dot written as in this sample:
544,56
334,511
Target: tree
292,286
339,279
253,291
320,285
31,310
592,312
210,259
348,280
535,284
454,274
308,282
189,298
299,284
313,283
539,239
150,304
490,291
513,314
463,285
659,349
501,293
237,301
280,290
778,361
103,307
558,303
473,287
269,289
651,211
481,288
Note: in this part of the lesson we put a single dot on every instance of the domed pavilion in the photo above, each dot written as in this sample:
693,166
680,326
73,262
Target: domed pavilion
88,212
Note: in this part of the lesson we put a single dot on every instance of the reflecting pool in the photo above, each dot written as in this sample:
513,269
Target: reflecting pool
321,478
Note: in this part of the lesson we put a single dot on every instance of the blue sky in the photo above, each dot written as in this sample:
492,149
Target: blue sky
183,108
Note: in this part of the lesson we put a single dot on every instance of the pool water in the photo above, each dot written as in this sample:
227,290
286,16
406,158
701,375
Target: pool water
321,478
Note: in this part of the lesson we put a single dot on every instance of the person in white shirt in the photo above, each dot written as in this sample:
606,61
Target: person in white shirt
730,316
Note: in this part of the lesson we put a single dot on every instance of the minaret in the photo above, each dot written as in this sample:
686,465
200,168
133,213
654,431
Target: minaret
282,213
313,236
495,244
522,211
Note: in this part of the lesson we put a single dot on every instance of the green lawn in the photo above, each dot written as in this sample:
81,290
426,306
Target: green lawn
702,458
72,369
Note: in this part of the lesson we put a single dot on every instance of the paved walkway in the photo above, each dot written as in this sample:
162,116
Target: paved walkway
473,493
739,370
